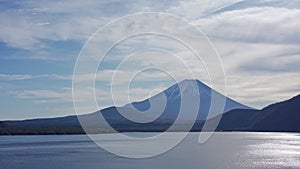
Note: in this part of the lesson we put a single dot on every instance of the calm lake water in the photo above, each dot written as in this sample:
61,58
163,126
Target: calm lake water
223,150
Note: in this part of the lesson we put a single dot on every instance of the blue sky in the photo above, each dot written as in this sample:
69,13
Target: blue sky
258,42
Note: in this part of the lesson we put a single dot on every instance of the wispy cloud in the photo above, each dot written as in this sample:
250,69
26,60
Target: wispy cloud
11,77
33,22
44,95
15,77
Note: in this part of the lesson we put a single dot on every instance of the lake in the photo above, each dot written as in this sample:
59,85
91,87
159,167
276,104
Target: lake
227,150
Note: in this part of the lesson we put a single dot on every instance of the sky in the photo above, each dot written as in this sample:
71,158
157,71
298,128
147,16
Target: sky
40,41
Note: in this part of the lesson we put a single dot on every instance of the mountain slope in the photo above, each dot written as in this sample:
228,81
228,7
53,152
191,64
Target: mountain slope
283,116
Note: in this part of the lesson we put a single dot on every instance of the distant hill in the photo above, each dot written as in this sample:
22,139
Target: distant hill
61,125
283,116
279,117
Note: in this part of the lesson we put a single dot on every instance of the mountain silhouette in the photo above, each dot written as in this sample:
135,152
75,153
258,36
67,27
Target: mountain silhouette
281,116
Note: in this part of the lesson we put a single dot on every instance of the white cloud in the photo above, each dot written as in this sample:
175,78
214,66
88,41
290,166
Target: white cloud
259,89
255,25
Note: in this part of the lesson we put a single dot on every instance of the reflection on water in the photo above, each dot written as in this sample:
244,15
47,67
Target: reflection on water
223,150
277,150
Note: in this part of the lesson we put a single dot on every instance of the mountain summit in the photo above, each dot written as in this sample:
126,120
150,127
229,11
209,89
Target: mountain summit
186,94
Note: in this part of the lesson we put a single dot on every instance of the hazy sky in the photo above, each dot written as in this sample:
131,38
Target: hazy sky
258,42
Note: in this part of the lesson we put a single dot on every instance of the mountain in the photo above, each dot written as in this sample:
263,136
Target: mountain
279,117
185,93
168,103
283,116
